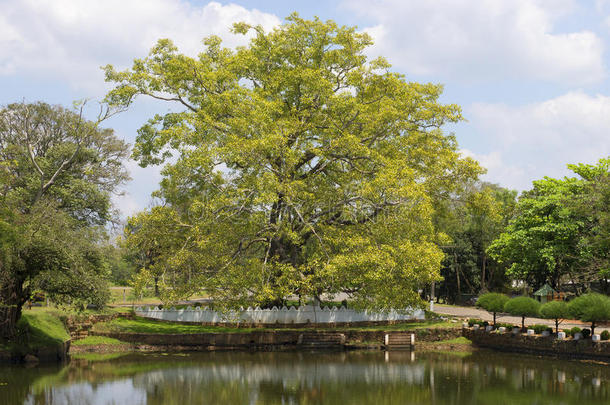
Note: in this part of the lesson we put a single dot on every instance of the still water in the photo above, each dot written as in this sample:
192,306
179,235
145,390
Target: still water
343,378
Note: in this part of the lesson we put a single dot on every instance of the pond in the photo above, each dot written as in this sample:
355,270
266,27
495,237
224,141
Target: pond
344,378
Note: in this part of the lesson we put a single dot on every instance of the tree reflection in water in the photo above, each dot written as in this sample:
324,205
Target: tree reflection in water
310,378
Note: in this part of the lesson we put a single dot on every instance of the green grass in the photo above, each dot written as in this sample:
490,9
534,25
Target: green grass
143,325
97,340
459,340
38,329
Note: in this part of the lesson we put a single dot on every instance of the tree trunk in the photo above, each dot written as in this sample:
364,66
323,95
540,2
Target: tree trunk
522,323
592,329
12,298
483,283
556,326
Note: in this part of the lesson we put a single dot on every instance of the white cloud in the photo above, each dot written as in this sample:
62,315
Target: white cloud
539,139
71,39
483,40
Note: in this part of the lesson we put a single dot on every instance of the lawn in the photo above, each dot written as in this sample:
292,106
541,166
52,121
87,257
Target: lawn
143,325
97,340
39,328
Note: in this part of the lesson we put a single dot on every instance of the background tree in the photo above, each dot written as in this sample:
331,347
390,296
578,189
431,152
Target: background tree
560,230
492,302
472,220
301,167
593,204
542,242
523,307
591,307
58,170
556,310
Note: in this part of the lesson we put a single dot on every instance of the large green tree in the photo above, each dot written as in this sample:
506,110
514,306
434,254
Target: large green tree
560,230
299,168
57,171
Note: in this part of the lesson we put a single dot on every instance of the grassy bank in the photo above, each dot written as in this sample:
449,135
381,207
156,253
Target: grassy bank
143,325
37,329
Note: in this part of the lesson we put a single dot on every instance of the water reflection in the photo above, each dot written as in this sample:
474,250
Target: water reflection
310,378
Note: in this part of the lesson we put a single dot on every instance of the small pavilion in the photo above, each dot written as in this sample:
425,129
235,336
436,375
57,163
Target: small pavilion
546,294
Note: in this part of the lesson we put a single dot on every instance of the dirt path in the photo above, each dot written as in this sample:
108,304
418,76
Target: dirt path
472,312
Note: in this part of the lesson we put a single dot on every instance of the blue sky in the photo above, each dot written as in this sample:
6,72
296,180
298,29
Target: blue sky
531,75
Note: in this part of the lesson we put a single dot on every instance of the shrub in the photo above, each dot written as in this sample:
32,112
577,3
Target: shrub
556,310
523,307
574,330
592,308
492,303
539,328
605,335
480,322
586,333
568,332
505,325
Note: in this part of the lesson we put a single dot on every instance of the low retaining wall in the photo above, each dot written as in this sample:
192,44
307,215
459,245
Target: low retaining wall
292,316
520,343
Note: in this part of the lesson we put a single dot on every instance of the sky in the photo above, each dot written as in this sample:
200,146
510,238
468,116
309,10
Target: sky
532,76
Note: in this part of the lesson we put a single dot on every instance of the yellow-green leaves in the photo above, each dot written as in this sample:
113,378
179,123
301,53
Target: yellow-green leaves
300,169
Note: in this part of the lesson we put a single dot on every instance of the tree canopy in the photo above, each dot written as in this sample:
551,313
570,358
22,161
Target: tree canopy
57,170
492,302
560,230
299,168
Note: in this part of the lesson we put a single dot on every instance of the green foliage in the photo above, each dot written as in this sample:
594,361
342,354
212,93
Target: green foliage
591,307
561,227
586,333
492,302
523,307
504,325
473,221
605,335
300,168
480,322
575,330
58,172
538,329
556,310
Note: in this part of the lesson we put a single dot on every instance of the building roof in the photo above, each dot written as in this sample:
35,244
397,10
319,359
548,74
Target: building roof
545,290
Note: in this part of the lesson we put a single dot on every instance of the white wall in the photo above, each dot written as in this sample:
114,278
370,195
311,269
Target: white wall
304,314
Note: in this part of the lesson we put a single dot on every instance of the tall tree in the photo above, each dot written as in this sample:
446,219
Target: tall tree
472,221
57,170
301,167
560,231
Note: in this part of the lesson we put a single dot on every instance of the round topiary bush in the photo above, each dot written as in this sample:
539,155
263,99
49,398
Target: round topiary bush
556,310
591,307
605,335
492,303
523,307
586,333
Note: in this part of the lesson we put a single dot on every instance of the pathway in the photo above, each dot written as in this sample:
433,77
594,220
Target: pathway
473,312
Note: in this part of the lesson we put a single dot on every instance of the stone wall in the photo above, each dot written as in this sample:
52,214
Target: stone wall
536,344
292,316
